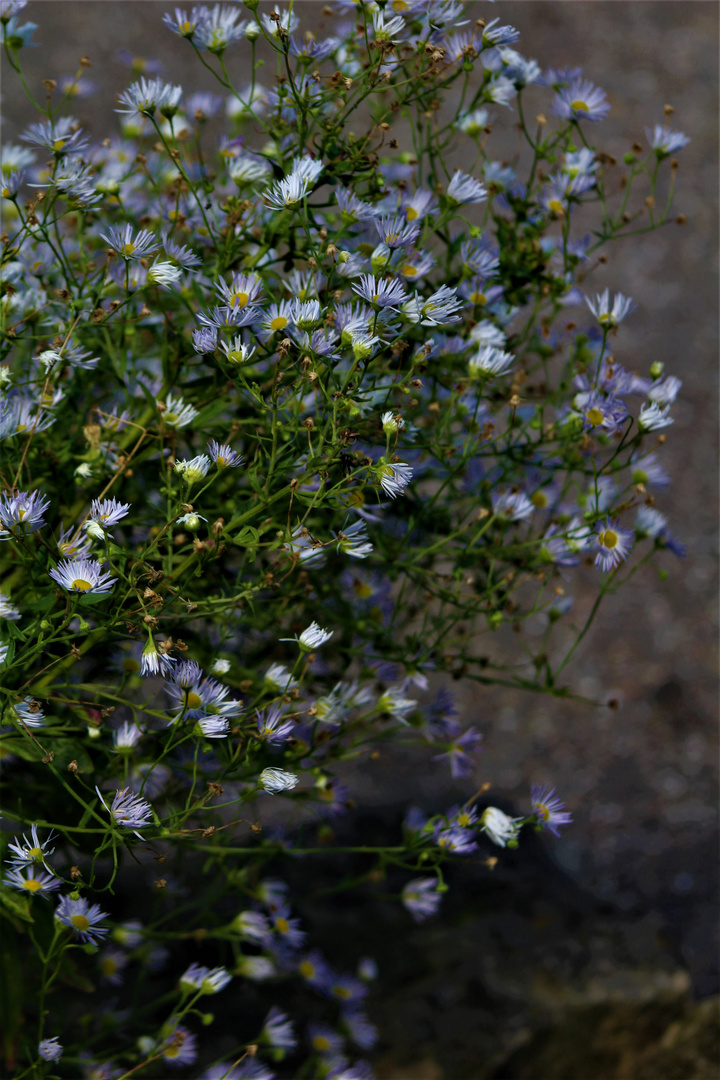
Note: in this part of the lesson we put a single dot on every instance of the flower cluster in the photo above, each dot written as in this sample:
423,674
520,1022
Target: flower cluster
284,404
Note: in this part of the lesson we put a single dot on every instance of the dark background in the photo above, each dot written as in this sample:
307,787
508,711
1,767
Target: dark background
627,901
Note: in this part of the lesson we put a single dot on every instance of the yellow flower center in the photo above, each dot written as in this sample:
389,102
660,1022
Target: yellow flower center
556,206
278,323
594,416
579,106
408,271
127,249
341,992
194,701
35,853
478,298
608,539
542,811
362,589
411,213
320,1042
239,299
80,922
108,966
282,925
130,666
172,1051
32,885
306,969
58,145
81,585
539,499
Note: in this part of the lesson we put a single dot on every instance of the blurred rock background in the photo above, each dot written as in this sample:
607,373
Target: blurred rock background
581,957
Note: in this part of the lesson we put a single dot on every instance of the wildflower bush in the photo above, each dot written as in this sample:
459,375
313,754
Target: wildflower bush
293,419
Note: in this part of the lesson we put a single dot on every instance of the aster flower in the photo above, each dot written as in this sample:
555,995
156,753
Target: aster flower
394,478
248,169
396,232
647,469
456,839
83,576
653,416
256,968
614,544
111,963
277,1030
511,505
128,246
243,290
380,292
205,339
176,413
181,255
664,141
153,661
164,273
606,314
22,514
30,851
465,189
61,136
7,610
356,1024
279,678
193,470
548,809
128,934
148,96
252,926
236,352
180,1048
313,637
128,810
183,24
272,728
286,927
209,980
82,918
107,512
29,712
459,751
581,101
285,22
490,361
665,391
599,410
501,829
421,898
325,1040
437,310
276,780
353,540
50,1049
32,880
126,738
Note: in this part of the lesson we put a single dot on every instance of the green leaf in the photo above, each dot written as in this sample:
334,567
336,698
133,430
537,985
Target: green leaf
17,905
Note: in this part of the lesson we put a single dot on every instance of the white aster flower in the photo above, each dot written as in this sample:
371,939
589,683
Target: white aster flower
276,780
501,829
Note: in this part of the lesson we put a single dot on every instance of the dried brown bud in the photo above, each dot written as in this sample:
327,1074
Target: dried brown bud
73,767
